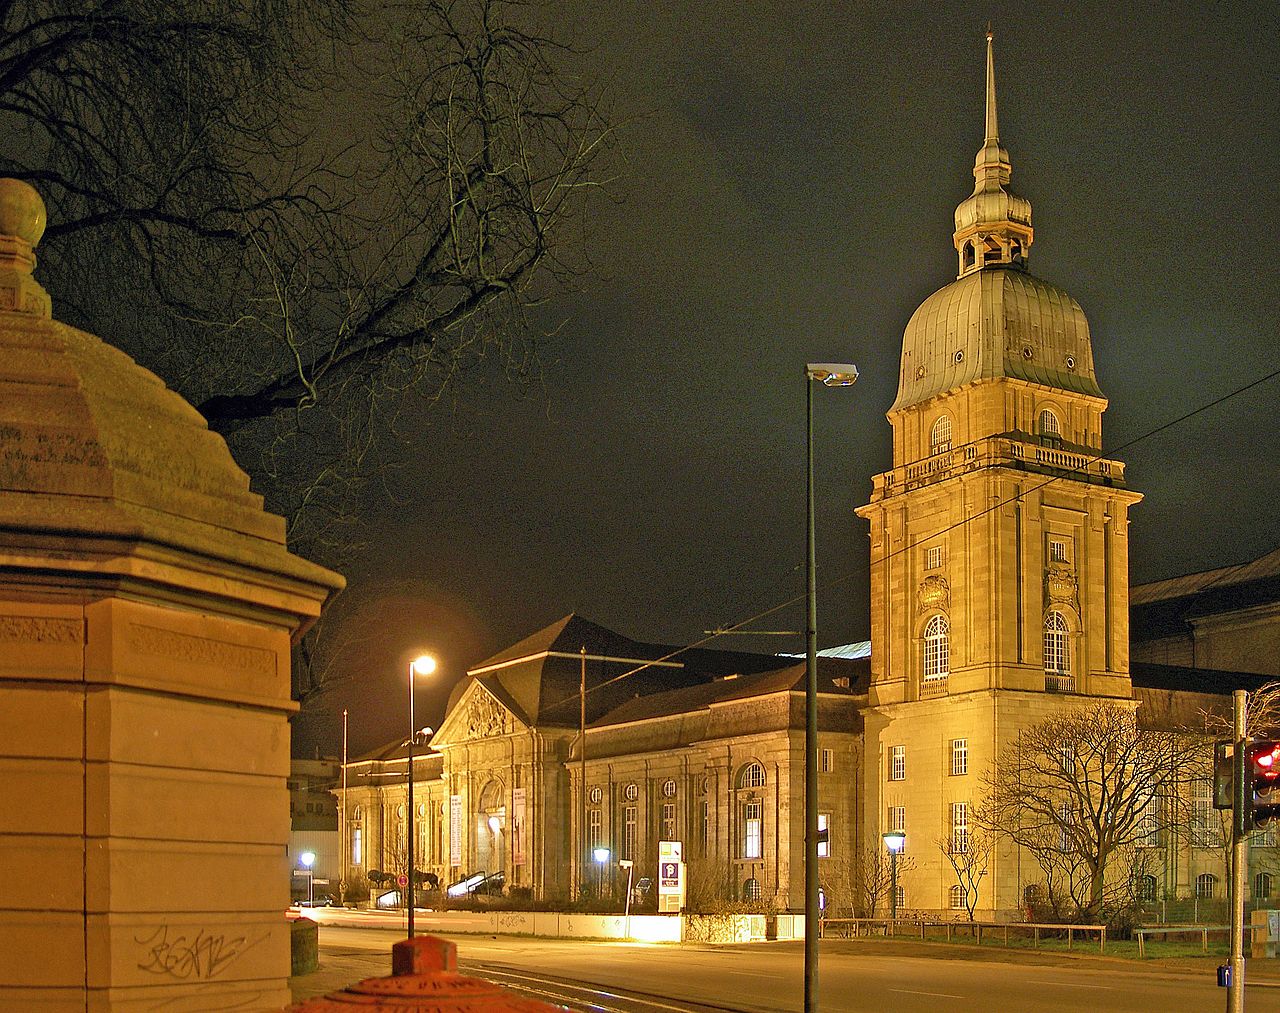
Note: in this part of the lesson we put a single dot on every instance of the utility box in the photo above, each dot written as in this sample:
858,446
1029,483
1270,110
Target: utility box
1265,933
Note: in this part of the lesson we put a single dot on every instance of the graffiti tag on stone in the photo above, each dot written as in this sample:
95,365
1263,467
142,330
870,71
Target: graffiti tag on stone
186,957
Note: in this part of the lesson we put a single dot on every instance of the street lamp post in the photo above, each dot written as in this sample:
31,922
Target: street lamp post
630,867
425,664
895,841
830,374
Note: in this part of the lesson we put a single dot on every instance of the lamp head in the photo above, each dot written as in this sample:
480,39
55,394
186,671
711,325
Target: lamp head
601,855
895,841
424,664
308,859
832,374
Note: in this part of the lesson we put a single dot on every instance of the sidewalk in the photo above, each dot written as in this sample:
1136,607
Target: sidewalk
1262,970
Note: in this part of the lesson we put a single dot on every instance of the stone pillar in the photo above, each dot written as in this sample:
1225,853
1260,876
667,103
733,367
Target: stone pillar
147,607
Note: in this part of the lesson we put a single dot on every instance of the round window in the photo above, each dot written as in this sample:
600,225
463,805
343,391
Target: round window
669,788
595,794
631,792
959,356
1071,362
704,783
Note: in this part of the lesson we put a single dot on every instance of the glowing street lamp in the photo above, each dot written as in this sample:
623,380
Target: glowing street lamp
601,855
895,841
307,859
422,665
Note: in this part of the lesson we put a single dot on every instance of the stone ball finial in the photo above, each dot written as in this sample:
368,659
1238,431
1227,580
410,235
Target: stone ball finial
22,222
22,212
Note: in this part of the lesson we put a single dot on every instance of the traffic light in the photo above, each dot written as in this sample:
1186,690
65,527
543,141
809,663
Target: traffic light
1262,773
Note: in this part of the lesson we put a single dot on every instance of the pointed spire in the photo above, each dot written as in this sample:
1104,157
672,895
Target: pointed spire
993,226
993,131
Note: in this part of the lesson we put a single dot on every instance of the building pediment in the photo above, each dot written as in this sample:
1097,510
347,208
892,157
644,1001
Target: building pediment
477,714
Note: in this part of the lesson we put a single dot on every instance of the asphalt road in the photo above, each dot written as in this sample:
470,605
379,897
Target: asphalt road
766,978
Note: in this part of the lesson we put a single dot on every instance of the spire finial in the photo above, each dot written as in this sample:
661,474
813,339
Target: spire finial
993,226
992,131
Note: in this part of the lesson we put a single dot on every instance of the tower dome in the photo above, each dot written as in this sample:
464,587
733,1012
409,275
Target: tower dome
996,319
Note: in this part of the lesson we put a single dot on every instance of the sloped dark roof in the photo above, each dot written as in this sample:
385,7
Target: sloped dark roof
1165,608
1222,577
790,678
386,764
1146,675
540,675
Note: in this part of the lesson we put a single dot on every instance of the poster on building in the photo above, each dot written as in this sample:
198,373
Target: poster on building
455,829
671,877
517,826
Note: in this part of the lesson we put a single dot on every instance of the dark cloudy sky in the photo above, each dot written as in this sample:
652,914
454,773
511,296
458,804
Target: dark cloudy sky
789,179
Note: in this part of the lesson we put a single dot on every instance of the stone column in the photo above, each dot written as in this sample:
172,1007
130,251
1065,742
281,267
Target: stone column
147,607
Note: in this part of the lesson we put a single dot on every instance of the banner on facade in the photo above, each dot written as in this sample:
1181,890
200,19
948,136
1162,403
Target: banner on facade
517,826
455,829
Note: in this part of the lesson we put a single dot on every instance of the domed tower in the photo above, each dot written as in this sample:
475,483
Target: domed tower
999,556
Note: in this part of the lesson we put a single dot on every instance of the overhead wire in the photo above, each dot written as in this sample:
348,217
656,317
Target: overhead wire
968,519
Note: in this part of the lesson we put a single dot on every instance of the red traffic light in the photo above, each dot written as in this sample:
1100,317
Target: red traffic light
1265,760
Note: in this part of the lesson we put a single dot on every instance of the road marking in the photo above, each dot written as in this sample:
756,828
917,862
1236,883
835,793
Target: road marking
1073,984
587,987
940,995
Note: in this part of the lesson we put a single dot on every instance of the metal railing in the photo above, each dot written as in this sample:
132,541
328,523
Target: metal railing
954,927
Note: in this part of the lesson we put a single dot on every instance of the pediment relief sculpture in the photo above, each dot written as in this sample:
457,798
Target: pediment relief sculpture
934,594
486,717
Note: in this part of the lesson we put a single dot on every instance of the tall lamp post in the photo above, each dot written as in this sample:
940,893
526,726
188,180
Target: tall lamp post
830,374
895,841
423,665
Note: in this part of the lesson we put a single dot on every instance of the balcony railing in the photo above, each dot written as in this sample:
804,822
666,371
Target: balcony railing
933,687
997,452
1055,682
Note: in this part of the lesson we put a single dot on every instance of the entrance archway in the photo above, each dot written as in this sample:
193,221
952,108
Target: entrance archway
491,829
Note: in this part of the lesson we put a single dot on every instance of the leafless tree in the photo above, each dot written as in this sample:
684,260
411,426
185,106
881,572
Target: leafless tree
301,275
872,875
1082,790
969,856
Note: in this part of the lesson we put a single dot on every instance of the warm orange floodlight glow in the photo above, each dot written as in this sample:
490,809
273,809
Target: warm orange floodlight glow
423,665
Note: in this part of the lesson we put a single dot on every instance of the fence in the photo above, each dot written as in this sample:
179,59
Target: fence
892,926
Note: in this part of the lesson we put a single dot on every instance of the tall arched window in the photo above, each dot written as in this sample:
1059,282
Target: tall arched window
1049,425
937,648
1206,884
957,897
1057,653
940,436
1145,888
1262,886
751,811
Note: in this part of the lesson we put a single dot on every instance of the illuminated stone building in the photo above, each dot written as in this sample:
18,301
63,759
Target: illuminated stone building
704,747
999,597
999,540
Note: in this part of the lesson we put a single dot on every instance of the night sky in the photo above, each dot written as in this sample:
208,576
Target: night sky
786,195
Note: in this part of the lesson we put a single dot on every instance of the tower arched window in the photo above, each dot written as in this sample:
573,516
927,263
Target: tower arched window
1057,653
752,775
1049,426
937,648
940,436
